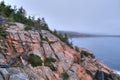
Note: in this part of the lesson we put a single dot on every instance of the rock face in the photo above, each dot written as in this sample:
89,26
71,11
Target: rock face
69,64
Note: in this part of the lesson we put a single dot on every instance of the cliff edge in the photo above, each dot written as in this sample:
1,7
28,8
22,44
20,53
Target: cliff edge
40,55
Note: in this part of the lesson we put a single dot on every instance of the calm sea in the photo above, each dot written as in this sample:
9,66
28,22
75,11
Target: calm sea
106,49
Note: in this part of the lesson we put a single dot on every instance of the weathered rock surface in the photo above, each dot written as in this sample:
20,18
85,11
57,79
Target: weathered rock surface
20,44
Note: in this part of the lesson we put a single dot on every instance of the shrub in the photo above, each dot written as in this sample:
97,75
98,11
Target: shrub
63,37
3,33
35,60
77,49
48,62
28,28
46,39
50,65
65,76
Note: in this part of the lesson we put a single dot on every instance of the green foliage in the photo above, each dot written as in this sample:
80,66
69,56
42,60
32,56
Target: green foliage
37,24
44,25
48,62
11,24
28,28
65,76
77,49
3,49
3,32
19,15
70,44
83,53
35,60
51,66
63,37
45,39
5,10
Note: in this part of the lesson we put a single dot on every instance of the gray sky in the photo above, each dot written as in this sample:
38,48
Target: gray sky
86,16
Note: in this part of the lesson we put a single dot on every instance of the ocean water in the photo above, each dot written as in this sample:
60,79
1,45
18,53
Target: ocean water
106,49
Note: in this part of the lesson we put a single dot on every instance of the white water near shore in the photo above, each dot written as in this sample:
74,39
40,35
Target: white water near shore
118,72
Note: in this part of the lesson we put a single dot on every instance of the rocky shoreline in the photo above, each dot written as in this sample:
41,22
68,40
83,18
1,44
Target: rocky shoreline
64,62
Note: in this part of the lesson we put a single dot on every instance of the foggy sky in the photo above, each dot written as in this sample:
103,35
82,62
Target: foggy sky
85,16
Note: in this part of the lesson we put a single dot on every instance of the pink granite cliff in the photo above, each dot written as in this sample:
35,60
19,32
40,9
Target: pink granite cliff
69,65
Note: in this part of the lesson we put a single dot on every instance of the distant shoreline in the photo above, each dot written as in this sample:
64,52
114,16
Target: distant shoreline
72,34
87,36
